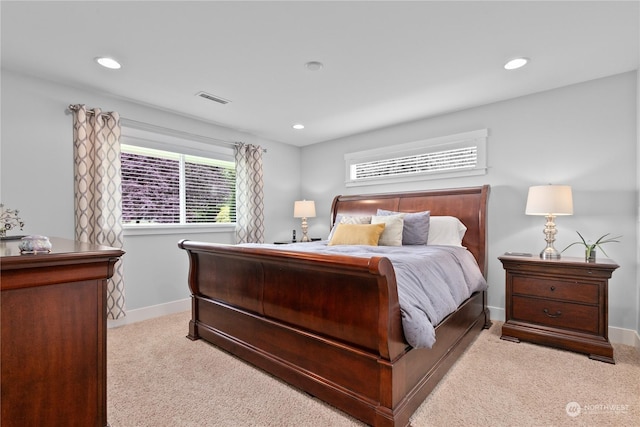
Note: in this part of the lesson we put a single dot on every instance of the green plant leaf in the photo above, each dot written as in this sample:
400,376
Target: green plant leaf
590,247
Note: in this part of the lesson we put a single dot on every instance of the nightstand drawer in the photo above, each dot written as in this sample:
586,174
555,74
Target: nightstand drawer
559,314
556,289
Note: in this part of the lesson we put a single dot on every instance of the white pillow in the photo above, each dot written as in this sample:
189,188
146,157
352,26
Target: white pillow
445,230
393,226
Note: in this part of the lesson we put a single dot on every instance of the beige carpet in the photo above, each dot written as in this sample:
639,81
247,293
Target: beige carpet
157,377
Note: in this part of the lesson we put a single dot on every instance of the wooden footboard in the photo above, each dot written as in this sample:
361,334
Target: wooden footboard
341,298
338,336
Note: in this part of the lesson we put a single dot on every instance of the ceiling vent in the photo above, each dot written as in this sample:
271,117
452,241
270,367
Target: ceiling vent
213,98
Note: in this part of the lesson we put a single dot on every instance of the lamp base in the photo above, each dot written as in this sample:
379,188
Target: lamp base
550,253
305,237
550,236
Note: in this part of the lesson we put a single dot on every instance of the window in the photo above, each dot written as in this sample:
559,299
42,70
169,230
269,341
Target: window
450,156
174,186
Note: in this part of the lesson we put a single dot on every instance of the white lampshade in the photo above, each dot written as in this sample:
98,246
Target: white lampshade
304,209
549,200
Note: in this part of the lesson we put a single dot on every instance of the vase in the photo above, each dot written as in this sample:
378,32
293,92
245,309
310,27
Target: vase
590,256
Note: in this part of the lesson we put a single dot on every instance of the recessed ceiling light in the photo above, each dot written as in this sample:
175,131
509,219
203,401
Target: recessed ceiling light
298,126
516,63
314,65
108,63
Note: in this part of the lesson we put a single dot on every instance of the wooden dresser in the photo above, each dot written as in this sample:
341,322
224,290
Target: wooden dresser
53,313
561,303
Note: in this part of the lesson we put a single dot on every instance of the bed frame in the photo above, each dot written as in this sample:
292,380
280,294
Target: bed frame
330,325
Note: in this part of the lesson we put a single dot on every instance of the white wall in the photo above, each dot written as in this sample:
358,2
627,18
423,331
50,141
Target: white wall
582,135
37,178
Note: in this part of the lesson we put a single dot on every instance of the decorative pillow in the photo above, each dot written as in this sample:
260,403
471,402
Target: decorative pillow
446,230
347,219
393,225
416,226
357,234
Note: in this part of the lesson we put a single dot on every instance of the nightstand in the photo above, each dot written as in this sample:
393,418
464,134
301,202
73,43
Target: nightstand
560,303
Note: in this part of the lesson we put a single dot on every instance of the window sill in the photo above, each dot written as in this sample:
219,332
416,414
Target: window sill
158,229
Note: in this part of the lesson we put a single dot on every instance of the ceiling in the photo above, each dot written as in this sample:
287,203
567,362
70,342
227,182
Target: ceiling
385,62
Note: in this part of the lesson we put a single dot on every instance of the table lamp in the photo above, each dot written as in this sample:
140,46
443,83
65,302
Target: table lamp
550,201
304,209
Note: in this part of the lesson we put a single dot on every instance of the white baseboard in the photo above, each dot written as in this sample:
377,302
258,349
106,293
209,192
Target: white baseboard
145,313
616,335
496,313
624,336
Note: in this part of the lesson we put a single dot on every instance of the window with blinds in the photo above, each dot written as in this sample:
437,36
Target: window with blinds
165,187
444,157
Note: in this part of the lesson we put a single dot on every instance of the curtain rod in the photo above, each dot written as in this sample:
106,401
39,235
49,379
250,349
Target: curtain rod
160,129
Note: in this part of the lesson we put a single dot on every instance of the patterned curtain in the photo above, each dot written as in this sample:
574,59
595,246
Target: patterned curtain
249,194
98,192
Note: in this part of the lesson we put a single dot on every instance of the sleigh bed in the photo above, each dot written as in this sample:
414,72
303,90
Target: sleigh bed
331,325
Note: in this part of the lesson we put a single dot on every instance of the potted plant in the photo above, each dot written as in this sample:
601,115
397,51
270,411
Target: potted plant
590,248
9,219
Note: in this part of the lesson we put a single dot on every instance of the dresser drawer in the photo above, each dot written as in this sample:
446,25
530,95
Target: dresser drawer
556,289
555,313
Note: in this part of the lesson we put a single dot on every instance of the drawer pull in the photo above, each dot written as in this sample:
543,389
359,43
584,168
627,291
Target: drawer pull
553,288
558,313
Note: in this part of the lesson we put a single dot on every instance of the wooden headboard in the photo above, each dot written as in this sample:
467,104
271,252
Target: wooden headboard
467,204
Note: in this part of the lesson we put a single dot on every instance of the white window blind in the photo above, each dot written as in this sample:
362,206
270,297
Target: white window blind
164,187
209,190
444,157
150,186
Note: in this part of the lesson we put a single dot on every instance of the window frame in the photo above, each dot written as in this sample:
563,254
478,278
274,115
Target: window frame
477,138
158,138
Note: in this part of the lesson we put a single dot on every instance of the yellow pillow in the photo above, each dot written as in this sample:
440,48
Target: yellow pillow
357,234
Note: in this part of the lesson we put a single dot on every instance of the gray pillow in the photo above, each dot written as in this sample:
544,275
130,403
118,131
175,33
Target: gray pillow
416,226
